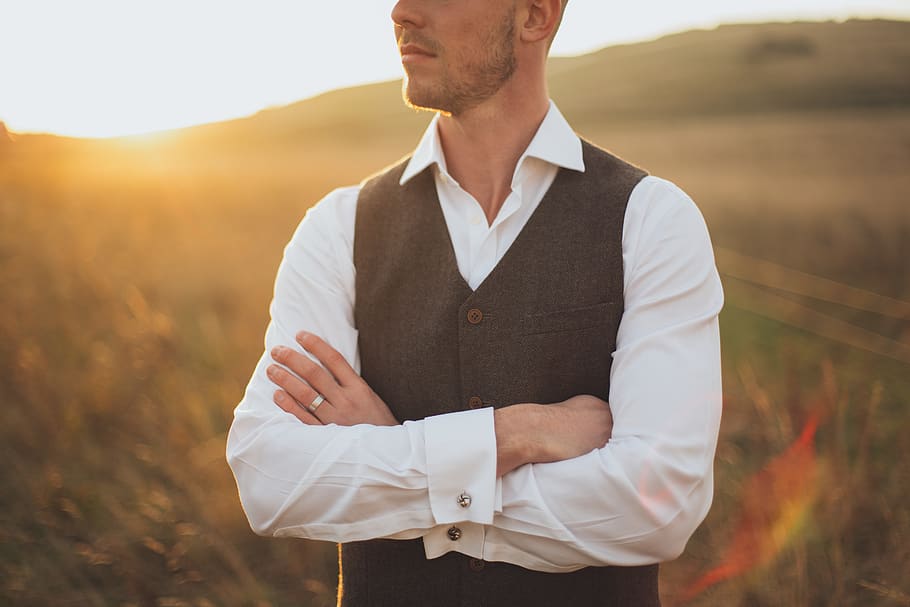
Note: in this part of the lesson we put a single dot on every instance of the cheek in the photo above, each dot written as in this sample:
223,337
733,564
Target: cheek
467,35
466,49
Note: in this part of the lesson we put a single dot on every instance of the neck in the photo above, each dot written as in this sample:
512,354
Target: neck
482,145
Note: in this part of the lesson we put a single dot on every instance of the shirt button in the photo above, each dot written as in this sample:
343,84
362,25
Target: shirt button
454,533
464,500
475,316
476,565
475,402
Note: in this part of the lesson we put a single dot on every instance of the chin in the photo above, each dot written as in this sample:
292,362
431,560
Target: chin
423,100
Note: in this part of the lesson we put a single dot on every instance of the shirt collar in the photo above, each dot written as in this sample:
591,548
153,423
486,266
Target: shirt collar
555,142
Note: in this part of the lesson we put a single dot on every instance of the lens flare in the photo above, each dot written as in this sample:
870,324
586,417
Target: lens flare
776,503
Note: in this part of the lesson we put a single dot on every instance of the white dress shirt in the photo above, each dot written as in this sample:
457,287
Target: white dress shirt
635,501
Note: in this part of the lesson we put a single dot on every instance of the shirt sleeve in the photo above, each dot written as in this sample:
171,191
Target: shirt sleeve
637,500
338,483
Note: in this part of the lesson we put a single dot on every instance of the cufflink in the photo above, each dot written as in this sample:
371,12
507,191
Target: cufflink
464,500
454,533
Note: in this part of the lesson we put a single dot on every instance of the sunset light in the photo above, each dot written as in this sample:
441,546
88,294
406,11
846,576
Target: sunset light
729,275
101,67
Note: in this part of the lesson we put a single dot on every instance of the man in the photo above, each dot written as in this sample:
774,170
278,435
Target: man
494,291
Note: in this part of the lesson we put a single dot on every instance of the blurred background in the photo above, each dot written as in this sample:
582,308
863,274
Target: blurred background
137,271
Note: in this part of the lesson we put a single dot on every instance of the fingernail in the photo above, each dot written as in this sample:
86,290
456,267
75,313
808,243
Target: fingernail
276,351
279,396
301,337
270,371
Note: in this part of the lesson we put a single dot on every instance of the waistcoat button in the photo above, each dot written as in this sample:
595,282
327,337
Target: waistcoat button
454,533
475,402
476,565
475,316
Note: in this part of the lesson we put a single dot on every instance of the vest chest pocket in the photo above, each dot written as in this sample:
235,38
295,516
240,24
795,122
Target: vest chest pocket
572,319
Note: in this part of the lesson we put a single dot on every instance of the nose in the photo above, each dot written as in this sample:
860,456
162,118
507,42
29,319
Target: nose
406,14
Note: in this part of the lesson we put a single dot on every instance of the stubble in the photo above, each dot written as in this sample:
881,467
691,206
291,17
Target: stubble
466,79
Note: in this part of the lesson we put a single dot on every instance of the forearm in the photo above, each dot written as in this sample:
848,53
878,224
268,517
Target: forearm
626,504
343,484
634,501
539,433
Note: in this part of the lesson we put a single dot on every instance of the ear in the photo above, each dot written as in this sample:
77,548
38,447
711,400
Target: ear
541,20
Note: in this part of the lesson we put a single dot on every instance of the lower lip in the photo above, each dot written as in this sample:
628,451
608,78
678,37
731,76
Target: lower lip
415,58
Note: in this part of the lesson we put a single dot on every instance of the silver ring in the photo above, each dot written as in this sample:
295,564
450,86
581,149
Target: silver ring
317,402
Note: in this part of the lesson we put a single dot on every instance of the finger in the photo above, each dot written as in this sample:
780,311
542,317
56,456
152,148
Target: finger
290,404
301,392
314,375
328,356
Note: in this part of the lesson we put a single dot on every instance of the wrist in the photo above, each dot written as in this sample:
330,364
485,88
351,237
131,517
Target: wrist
513,448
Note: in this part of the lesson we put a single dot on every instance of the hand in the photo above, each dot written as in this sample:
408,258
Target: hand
348,399
532,433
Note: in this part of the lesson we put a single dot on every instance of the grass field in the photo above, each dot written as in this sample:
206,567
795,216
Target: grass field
137,275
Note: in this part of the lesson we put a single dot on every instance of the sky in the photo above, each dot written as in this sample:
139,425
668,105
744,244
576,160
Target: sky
96,68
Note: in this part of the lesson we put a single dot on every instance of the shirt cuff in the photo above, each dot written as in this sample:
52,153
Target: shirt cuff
466,538
461,466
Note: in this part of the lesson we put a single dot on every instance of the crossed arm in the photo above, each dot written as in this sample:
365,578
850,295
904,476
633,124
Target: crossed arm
352,472
525,433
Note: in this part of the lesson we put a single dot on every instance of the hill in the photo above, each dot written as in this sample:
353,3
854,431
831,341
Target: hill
730,70
756,68
739,69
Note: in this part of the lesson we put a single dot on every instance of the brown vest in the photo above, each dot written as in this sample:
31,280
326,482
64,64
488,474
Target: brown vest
541,328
